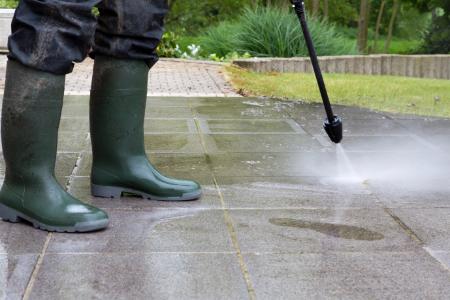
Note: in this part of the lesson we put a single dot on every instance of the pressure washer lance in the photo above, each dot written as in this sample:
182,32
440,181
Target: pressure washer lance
332,124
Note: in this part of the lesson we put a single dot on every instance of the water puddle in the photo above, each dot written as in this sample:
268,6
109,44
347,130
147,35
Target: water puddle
335,230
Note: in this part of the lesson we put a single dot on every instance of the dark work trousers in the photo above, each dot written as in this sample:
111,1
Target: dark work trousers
50,35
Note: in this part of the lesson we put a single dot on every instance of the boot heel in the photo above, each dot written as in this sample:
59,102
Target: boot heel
8,214
106,191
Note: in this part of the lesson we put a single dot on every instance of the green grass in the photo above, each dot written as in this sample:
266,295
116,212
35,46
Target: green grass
430,97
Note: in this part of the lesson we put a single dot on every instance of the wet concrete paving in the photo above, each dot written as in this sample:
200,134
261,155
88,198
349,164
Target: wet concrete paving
283,215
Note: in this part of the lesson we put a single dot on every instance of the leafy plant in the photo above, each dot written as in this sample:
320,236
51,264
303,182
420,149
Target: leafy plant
270,31
437,38
221,39
8,3
168,46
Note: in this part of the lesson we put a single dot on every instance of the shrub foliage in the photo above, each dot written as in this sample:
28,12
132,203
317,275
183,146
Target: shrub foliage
270,31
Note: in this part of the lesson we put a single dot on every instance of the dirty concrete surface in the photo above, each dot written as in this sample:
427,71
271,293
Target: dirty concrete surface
280,218
285,213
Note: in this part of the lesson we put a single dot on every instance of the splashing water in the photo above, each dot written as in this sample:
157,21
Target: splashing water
345,172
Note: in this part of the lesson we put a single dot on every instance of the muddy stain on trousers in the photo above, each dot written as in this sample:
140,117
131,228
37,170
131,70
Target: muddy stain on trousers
50,35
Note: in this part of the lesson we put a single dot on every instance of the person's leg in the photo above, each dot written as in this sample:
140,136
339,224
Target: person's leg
41,54
50,35
125,49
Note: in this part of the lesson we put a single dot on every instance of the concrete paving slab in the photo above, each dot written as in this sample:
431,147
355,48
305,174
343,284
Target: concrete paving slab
442,257
167,102
314,111
293,192
248,126
402,144
431,225
80,125
407,196
290,202
182,165
274,164
426,126
73,141
319,230
360,127
80,187
65,162
367,275
164,112
273,143
238,112
75,110
15,273
134,276
439,140
20,239
159,230
173,143
164,125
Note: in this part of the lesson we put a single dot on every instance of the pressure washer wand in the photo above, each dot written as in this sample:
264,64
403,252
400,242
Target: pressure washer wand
332,124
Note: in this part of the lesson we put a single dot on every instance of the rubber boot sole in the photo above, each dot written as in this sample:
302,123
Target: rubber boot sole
116,192
11,215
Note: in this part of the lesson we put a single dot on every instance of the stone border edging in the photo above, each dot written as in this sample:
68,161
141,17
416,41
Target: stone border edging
6,16
422,66
195,61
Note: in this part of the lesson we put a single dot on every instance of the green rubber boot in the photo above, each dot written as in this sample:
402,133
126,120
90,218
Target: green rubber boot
30,120
120,164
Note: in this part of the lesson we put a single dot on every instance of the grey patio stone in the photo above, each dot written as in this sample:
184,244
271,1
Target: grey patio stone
343,275
158,230
439,140
15,273
231,101
305,226
431,225
249,126
314,111
168,112
65,163
20,238
384,144
294,192
182,165
75,110
274,164
167,102
176,143
360,127
238,112
410,196
165,125
80,187
76,99
70,141
272,143
319,230
426,126
134,276
74,125
442,257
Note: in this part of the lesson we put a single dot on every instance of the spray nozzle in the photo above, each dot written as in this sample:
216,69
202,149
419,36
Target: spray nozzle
334,129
